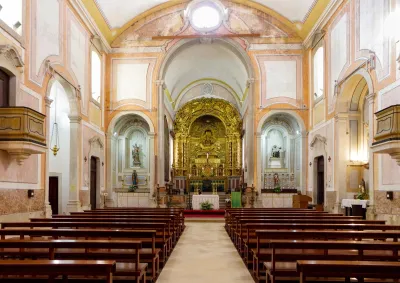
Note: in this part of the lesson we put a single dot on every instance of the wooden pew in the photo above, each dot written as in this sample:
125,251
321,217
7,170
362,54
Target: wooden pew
126,253
164,244
53,268
348,269
259,251
149,253
285,254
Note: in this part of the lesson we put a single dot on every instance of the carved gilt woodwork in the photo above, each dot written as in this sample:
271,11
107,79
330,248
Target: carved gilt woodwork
22,132
207,139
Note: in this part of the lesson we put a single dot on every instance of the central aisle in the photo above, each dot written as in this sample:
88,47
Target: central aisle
205,254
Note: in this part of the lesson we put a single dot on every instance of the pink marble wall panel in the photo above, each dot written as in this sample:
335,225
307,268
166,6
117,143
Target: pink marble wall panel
385,206
84,197
17,201
10,171
27,100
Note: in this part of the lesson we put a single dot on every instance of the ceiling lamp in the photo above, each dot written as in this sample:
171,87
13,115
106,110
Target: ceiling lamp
55,133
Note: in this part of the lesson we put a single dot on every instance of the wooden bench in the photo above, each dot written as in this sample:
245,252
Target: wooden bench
164,243
53,268
257,252
149,253
125,253
348,269
285,254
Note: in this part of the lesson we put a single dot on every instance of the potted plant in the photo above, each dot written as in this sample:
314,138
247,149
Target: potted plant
206,205
132,188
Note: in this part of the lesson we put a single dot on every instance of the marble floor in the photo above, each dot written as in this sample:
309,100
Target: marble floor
203,254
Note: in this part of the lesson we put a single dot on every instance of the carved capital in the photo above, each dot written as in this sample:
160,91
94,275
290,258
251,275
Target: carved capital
370,98
160,83
48,101
11,53
250,82
75,119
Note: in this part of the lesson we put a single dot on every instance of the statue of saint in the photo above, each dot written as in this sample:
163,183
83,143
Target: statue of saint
207,138
276,180
362,186
276,152
136,156
134,179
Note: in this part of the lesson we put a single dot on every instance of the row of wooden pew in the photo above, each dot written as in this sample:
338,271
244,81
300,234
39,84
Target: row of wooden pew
307,245
123,244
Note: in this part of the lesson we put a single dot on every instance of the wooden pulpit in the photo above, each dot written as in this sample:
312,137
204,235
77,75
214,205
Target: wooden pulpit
300,201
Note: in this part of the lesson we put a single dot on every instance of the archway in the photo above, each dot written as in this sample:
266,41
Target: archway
353,156
281,151
289,126
130,148
197,68
59,164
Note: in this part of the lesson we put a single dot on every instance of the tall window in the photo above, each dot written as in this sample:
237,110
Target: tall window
319,73
96,77
11,14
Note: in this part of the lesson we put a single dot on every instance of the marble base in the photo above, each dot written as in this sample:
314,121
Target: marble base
74,206
47,210
277,200
132,199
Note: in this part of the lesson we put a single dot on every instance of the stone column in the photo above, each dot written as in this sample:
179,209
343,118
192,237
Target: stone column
152,166
47,206
160,134
75,164
250,136
110,146
260,166
371,188
342,152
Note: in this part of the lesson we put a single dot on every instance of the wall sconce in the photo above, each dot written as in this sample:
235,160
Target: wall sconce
310,164
389,195
329,159
85,159
31,193
102,164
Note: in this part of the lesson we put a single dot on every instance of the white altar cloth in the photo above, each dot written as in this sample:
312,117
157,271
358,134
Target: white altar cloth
350,202
198,199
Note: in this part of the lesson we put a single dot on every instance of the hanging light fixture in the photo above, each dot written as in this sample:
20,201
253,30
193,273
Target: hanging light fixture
54,132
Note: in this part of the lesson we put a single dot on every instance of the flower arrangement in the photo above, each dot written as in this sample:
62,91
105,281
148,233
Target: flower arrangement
206,205
132,188
277,190
362,196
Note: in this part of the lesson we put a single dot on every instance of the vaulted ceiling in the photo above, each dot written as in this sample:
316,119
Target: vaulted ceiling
114,16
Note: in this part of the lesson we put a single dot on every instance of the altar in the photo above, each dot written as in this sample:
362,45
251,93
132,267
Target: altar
198,199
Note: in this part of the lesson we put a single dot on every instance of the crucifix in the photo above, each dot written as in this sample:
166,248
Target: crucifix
207,156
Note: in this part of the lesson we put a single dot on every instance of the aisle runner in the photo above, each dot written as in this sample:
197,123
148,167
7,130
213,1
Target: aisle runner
205,254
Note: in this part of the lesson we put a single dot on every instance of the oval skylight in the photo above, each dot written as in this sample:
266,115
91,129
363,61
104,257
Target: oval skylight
205,18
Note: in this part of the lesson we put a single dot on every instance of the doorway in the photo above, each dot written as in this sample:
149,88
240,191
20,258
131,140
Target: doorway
320,180
93,182
53,194
4,89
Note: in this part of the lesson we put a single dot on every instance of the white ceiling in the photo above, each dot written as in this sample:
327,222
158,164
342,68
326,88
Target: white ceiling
119,12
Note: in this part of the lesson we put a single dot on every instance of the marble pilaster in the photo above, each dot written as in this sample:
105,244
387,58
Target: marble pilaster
47,206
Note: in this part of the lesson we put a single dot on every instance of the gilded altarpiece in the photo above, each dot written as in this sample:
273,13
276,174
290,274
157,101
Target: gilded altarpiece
207,139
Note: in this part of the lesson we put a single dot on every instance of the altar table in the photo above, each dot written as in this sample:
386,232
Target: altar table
350,202
198,199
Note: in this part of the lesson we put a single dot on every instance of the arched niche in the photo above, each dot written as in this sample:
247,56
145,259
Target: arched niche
126,131
282,132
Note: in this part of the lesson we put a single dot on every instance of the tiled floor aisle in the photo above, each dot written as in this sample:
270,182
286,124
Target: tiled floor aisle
205,254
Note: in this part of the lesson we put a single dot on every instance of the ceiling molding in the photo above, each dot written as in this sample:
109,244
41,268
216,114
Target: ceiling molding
87,18
330,9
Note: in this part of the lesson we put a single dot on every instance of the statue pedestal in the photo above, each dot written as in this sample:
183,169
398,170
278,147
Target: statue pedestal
275,162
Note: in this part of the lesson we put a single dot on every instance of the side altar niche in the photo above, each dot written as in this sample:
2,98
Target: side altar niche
208,141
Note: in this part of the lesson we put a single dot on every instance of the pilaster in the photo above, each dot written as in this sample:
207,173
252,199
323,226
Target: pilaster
48,212
160,133
75,164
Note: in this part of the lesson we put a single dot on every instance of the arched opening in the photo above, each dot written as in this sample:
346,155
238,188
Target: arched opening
353,137
131,151
4,89
281,151
59,164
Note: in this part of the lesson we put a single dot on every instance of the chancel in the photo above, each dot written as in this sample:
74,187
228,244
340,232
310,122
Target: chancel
209,132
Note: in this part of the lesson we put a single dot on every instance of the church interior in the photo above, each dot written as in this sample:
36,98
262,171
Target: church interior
202,134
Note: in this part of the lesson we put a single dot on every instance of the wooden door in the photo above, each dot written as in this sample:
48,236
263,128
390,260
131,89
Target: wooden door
53,194
93,182
4,89
321,180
